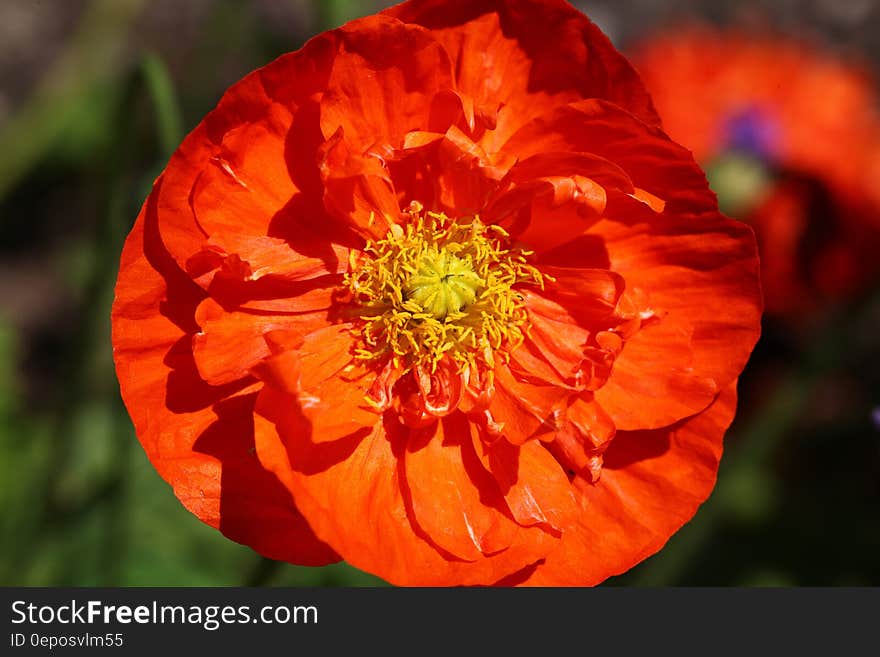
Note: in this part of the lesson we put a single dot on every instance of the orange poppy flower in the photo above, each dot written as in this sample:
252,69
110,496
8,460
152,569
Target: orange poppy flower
789,135
434,295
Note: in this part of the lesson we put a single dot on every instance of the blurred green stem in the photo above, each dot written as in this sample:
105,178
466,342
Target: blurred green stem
92,56
167,111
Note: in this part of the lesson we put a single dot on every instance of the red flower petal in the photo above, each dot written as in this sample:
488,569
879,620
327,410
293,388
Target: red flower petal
653,162
524,410
652,483
454,500
266,98
357,188
547,322
575,305
316,376
520,58
240,198
701,281
381,77
448,172
246,182
582,439
355,495
231,343
198,437
533,483
591,295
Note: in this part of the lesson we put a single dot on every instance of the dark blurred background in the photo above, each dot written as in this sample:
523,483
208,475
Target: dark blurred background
94,97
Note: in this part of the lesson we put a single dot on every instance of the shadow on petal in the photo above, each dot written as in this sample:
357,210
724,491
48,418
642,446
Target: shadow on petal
252,498
629,447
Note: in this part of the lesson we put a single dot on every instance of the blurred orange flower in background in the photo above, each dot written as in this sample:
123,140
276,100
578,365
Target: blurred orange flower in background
789,135
436,296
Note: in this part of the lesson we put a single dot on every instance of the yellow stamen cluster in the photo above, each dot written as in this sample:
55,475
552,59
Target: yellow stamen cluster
435,287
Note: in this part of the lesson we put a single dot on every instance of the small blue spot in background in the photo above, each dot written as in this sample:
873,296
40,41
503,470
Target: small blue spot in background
753,131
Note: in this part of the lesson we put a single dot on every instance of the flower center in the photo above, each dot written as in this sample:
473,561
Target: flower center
437,287
443,283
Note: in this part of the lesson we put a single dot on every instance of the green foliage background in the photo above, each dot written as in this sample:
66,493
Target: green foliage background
91,108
